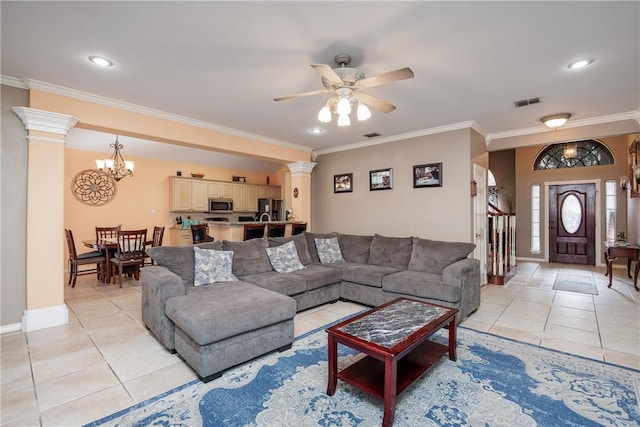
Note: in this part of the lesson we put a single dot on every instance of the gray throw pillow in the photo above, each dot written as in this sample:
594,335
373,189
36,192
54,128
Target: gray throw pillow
284,258
432,256
300,242
328,250
355,248
212,266
249,257
179,259
390,251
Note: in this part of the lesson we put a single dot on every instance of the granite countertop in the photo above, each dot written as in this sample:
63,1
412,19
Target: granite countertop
241,223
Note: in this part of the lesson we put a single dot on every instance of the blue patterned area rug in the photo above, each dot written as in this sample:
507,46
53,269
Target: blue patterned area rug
495,382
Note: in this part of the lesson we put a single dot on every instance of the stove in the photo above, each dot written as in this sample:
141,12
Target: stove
217,219
246,219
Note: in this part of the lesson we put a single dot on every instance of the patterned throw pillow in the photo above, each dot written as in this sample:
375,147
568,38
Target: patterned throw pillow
284,258
212,266
328,250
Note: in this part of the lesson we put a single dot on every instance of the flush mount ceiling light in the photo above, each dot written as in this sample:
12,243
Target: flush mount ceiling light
576,65
555,120
101,61
316,131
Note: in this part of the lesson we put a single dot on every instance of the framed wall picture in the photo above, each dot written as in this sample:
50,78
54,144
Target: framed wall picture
428,175
381,179
343,183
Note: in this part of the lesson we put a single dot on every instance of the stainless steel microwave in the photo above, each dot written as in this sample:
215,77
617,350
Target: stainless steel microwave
220,205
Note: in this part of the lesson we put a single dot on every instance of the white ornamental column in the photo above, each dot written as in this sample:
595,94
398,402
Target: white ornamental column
46,133
301,191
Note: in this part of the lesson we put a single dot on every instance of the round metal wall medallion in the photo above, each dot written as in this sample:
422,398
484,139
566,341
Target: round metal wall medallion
93,187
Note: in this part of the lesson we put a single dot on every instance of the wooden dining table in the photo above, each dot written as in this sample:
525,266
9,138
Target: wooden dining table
110,246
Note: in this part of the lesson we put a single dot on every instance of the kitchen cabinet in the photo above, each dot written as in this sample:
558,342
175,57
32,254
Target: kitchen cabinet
251,197
239,198
275,193
264,191
180,237
219,189
188,195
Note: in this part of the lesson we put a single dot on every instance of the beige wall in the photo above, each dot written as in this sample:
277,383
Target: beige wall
526,177
13,187
142,201
442,213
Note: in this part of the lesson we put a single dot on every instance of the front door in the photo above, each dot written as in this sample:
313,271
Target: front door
572,223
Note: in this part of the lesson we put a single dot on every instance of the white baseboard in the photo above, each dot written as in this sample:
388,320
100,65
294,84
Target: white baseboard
41,318
10,328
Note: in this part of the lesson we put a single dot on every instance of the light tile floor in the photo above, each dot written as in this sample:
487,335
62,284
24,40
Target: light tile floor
104,360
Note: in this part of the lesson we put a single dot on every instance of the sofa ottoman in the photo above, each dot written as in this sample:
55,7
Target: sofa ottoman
231,323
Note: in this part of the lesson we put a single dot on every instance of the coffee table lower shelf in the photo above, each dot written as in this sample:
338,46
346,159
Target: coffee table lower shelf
368,373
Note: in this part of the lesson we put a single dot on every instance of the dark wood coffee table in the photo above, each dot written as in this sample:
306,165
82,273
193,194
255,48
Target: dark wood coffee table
394,336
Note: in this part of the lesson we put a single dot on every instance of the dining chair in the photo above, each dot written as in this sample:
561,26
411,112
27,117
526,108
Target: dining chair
275,230
298,228
253,231
130,252
86,258
108,250
158,233
199,234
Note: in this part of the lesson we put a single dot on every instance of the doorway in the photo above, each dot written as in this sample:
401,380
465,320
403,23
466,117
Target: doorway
572,223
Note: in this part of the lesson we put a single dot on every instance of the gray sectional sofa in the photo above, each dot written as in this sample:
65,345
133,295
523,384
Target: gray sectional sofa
249,310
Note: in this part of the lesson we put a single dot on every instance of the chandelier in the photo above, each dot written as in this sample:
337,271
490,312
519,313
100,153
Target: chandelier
116,165
341,104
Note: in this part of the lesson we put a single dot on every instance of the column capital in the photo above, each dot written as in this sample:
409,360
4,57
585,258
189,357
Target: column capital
45,121
301,167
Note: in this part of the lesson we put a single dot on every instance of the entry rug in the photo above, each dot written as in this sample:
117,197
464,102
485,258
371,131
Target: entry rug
495,382
579,281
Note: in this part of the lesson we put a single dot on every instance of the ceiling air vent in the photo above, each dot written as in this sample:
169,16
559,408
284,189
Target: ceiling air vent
371,135
525,102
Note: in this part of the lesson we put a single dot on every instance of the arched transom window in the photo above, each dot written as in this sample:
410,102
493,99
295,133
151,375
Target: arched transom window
574,154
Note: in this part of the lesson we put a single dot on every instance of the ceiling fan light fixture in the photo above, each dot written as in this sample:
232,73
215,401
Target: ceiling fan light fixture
344,106
555,120
363,112
325,114
344,120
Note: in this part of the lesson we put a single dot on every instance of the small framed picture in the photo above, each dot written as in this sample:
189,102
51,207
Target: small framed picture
381,179
343,183
429,175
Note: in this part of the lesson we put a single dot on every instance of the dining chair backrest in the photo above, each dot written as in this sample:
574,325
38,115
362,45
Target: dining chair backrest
131,244
75,260
158,233
73,255
106,233
298,228
275,230
199,233
253,231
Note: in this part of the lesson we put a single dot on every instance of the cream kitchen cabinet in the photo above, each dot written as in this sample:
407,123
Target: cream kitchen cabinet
180,237
188,195
239,198
220,189
275,193
251,197
264,191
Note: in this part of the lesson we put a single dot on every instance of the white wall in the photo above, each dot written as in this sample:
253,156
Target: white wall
440,213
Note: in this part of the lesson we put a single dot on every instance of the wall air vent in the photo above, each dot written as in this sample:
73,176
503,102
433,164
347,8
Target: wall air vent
371,135
525,102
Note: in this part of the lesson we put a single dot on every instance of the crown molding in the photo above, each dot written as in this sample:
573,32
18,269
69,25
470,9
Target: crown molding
110,102
301,168
45,121
12,81
424,132
631,115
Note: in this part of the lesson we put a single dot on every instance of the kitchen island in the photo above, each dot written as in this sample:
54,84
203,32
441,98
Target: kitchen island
232,231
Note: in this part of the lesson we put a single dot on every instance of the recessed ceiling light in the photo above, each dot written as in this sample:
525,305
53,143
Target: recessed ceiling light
315,131
101,61
576,65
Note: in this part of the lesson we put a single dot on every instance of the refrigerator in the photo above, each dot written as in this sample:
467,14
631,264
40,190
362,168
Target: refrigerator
274,207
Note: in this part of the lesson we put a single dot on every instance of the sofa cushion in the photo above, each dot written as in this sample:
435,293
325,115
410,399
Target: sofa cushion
179,259
355,248
284,258
249,257
212,266
283,283
311,244
328,250
423,285
218,313
301,246
390,251
432,256
364,274
317,276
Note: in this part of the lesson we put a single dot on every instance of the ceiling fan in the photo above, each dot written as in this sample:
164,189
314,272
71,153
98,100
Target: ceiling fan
345,83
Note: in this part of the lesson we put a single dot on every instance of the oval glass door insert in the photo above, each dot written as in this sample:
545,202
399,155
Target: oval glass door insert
571,213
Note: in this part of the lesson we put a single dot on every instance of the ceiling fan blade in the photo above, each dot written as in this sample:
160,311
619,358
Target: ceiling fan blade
375,102
300,95
327,72
391,76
